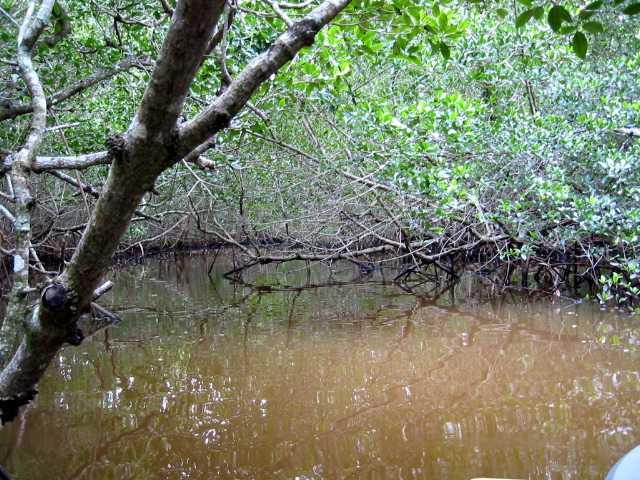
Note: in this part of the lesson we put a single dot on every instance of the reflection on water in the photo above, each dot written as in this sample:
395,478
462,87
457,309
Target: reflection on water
360,380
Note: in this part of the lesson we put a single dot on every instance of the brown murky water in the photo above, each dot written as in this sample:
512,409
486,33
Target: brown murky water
359,380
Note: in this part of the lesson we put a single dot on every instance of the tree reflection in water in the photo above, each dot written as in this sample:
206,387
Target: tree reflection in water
286,379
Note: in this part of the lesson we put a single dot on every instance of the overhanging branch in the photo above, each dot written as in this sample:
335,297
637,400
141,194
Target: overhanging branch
9,112
80,162
218,115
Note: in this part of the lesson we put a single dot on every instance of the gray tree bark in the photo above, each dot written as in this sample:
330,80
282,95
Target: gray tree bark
33,26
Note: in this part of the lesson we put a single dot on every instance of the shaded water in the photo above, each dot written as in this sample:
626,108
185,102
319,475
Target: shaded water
280,380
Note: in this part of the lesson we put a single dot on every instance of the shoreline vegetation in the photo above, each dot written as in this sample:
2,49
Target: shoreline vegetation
555,273
476,142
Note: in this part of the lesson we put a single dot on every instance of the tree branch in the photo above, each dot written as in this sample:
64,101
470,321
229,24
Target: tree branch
93,192
30,31
43,164
65,28
78,162
219,114
9,112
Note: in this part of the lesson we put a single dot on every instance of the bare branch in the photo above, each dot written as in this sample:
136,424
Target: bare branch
283,16
13,20
92,191
7,214
62,127
224,237
263,260
24,28
72,181
107,318
295,6
221,32
9,112
78,162
166,7
102,289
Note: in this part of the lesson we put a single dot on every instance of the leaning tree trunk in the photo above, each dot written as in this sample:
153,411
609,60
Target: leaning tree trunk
20,176
153,142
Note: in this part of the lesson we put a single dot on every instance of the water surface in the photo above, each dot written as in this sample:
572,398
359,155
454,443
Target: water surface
287,378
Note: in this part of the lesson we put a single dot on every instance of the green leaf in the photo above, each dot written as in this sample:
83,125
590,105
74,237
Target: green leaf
524,17
566,30
538,12
555,18
594,5
526,3
57,11
593,27
586,14
415,60
632,9
445,50
431,25
502,12
580,44
430,29
443,21
566,16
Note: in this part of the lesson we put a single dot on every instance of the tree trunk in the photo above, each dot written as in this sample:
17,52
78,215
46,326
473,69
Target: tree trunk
153,142
31,29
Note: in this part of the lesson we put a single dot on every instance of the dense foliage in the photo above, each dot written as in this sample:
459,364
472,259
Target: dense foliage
471,138
446,133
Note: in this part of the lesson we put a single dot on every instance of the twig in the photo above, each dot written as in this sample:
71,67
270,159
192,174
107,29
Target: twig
13,20
102,289
78,86
7,214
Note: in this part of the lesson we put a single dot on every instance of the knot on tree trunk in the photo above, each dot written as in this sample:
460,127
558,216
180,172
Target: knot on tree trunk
115,145
76,337
172,148
306,29
54,295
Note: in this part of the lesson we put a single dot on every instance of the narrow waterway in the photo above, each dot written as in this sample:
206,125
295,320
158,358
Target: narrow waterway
287,377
